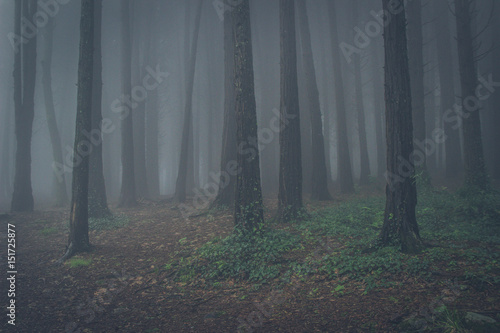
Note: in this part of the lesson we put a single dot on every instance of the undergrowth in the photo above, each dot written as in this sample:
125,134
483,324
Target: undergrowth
108,223
462,240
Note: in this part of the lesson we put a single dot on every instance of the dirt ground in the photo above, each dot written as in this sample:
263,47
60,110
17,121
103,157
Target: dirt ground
126,289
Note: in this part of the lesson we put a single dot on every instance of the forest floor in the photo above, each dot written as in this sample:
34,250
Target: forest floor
152,270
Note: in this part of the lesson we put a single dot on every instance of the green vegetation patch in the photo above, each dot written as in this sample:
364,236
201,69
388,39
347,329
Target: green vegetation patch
108,223
78,262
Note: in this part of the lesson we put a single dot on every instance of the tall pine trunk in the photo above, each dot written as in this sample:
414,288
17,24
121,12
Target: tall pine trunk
453,154
364,160
474,165
128,190
290,182
400,224
24,103
416,63
249,214
319,188
98,202
343,154
227,180
152,115
78,224
187,136
55,138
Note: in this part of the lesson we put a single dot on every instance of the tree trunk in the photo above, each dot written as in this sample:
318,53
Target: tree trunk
319,188
416,63
24,99
128,190
364,176
378,95
290,182
140,42
55,139
227,180
453,155
181,183
343,155
98,203
78,223
400,224
249,213
475,169
152,119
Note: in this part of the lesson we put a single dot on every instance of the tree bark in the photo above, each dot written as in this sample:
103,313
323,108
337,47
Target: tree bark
24,102
319,188
474,165
249,213
400,225
152,116
55,139
453,154
343,155
128,190
227,180
378,96
140,42
416,63
98,203
78,224
181,183
290,182
364,176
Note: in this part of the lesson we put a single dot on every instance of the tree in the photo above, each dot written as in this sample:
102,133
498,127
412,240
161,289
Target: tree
24,103
453,154
319,189
227,181
249,214
474,165
152,114
400,224
343,155
416,63
98,203
78,223
364,176
127,193
378,102
140,48
290,181
55,138
181,183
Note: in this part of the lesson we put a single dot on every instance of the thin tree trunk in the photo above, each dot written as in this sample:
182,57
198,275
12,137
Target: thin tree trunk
128,190
181,183
152,145
378,95
98,203
343,156
364,177
78,224
290,182
227,180
474,165
416,63
400,224
249,214
24,98
55,139
319,190
140,45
